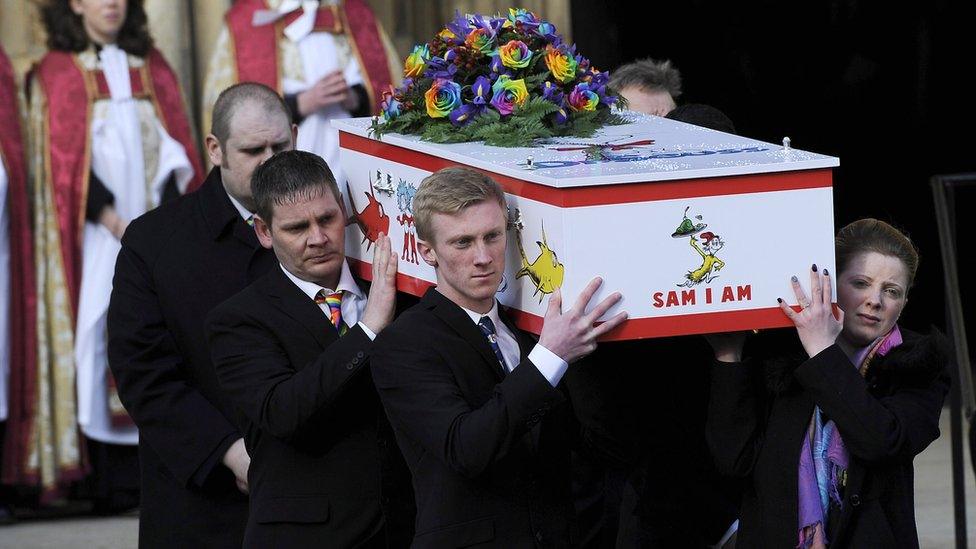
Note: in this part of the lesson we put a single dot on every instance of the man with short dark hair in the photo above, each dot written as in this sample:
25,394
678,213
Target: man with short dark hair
473,400
292,352
176,264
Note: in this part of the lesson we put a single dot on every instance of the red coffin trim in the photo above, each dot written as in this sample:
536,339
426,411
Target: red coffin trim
639,328
621,193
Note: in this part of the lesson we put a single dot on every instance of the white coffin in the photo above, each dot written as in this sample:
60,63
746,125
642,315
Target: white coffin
611,206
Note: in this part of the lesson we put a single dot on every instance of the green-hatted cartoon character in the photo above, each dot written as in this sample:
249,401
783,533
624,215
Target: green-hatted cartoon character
710,244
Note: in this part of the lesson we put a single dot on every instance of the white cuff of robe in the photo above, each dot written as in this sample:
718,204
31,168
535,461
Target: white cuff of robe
549,365
369,333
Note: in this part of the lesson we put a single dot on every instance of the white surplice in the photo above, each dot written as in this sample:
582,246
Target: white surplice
117,159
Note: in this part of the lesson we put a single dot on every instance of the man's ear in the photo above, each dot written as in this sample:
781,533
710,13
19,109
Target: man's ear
427,252
263,231
214,151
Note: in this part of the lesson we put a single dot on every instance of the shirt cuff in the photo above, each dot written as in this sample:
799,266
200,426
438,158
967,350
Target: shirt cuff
549,365
369,333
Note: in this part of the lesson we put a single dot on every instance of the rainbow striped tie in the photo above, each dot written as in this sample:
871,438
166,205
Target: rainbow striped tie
334,301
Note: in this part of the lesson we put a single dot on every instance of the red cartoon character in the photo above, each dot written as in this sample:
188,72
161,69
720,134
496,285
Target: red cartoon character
372,220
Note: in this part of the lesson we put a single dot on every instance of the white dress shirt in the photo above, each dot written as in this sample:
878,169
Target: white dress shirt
353,298
549,365
245,213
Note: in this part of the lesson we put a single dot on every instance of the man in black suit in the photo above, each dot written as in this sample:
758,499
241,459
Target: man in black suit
176,264
292,352
473,400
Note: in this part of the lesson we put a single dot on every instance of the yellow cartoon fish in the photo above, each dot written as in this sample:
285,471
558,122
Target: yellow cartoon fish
546,272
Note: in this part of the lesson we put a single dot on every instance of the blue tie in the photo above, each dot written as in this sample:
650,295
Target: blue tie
488,328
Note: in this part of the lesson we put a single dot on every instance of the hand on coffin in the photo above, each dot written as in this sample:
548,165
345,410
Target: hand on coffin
382,294
573,334
817,323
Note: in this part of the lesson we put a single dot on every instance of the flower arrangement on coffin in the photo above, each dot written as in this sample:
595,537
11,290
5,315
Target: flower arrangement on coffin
503,80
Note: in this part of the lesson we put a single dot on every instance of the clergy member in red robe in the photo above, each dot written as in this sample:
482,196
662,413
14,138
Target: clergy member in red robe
110,139
329,59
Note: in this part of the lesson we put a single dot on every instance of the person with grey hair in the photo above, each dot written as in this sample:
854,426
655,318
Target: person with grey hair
176,264
477,405
649,86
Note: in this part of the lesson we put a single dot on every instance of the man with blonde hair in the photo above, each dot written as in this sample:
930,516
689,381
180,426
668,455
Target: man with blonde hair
476,404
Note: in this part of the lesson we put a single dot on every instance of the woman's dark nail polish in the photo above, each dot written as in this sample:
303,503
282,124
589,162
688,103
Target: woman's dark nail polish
794,279
826,273
779,299
814,267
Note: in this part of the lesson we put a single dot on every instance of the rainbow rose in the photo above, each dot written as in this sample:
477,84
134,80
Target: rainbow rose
522,16
442,97
480,39
390,106
416,61
548,31
515,54
508,94
561,64
582,98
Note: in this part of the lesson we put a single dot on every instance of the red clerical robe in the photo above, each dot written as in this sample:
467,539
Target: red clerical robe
23,295
46,443
256,47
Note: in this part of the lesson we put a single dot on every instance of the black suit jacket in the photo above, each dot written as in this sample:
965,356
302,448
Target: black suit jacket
319,443
178,262
489,451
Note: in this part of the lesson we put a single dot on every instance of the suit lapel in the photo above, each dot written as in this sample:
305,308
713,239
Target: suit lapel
224,223
295,304
460,322
245,233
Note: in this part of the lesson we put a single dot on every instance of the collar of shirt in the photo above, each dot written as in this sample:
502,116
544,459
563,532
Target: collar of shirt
506,339
245,213
353,302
